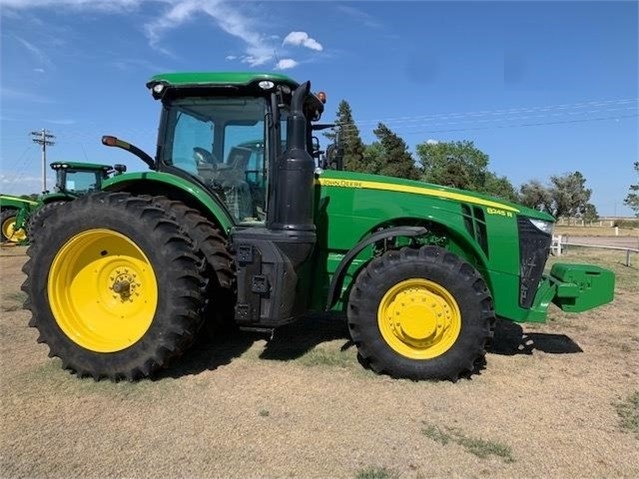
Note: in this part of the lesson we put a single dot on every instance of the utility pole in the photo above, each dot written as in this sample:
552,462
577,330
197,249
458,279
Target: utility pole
44,139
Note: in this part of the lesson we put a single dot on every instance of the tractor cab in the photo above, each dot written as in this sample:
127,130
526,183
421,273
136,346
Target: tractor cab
227,131
77,179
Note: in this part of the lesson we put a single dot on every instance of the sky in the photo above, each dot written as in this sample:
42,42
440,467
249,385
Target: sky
544,88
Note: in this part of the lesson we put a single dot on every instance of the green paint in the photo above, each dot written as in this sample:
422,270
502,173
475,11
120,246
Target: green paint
351,205
160,183
15,202
187,79
80,166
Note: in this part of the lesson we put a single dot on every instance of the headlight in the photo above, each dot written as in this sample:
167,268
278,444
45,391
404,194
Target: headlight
543,226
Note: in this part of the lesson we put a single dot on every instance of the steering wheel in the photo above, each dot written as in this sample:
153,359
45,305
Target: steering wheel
204,157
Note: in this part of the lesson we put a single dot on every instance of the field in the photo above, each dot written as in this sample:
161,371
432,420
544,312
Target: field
555,400
595,231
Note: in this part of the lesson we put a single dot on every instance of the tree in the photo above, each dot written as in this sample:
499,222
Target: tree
500,187
458,164
348,139
390,156
569,194
461,165
535,195
590,213
632,200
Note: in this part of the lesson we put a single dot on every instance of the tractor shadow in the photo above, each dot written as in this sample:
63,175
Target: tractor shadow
510,340
296,339
289,342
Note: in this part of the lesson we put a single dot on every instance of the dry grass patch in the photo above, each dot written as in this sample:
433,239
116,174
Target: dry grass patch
300,405
594,231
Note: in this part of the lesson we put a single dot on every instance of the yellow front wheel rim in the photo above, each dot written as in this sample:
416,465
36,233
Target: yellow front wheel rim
9,231
419,319
102,290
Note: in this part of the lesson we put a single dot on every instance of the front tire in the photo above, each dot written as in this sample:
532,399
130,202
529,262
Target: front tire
421,314
114,287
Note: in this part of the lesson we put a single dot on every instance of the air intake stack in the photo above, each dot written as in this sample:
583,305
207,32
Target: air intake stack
293,175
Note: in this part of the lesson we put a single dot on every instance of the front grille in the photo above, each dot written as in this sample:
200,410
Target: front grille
534,246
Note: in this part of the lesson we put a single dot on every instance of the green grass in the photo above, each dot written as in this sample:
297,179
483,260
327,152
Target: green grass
50,374
13,301
477,446
16,296
628,411
327,357
375,473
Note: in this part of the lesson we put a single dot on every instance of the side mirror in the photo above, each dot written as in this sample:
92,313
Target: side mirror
335,157
119,169
317,153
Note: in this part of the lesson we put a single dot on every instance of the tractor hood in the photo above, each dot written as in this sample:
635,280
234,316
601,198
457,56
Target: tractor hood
347,179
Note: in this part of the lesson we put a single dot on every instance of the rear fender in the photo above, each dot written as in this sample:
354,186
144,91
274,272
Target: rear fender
176,188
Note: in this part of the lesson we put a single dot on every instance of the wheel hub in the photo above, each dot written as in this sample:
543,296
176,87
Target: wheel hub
419,318
123,283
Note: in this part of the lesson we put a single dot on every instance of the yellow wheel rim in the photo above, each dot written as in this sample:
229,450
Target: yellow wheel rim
102,290
419,319
9,231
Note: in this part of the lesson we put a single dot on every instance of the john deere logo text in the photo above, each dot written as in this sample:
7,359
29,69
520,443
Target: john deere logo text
341,183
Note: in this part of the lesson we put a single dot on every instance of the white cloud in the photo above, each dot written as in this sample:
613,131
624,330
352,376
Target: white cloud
35,51
302,39
359,15
286,63
258,50
38,70
104,5
432,142
230,17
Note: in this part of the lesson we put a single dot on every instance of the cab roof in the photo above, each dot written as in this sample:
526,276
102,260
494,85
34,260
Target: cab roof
57,165
194,79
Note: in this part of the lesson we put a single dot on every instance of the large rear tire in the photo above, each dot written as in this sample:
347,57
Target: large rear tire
209,241
421,314
114,286
39,217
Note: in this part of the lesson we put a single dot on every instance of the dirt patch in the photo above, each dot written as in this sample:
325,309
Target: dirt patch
300,405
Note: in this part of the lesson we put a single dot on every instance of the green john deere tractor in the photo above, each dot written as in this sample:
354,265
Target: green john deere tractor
73,179
13,212
236,222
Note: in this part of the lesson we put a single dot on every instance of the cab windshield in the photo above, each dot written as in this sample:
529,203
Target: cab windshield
224,142
78,182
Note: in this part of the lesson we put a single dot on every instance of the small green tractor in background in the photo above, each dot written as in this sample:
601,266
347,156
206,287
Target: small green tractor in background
73,179
236,220
13,212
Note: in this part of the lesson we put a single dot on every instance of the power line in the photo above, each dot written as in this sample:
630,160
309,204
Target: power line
44,139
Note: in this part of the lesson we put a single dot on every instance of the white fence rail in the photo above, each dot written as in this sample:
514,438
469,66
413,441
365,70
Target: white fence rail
559,243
